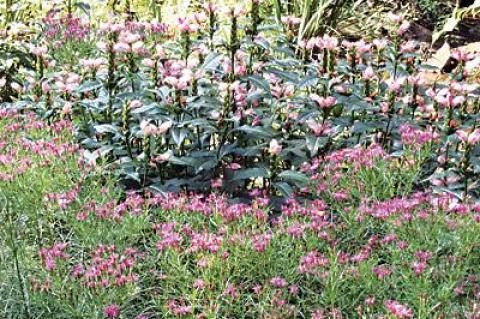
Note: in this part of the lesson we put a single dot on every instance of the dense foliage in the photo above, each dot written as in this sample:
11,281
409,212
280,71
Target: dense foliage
232,103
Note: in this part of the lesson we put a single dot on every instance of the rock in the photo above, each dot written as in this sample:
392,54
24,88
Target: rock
419,33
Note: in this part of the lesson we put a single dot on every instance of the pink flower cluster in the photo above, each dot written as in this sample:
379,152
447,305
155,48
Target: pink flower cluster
107,268
51,255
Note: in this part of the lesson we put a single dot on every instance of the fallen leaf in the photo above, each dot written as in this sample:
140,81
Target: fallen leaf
449,26
440,58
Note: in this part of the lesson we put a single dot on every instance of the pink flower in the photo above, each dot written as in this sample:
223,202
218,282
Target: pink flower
408,47
278,282
382,272
395,84
183,310
446,99
362,46
324,102
458,100
134,104
210,7
148,129
163,157
419,267
348,44
370,301
462,56
102,46
380,44
398,310
293,289
199,284
234,166
318,314
236,11
468,137
328,42
112,311
121,47
368,73
230,291
403,28
45,87
67,108
275,147
148,63
39,51
260,242
179,309
396,18
217,183
318,129
16,87
165,126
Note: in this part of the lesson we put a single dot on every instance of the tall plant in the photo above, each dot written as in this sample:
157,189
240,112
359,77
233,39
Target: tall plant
320,15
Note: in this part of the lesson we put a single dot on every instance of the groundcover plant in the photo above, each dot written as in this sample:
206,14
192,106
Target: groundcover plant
219,167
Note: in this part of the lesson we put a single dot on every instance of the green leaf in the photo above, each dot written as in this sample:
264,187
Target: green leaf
449,26
284,188
107,128
89,86
294,177
250,173
256,131
260,83
308,81
183,161
179,135
315,143
287,76
145,108
360,127
207,165
212,61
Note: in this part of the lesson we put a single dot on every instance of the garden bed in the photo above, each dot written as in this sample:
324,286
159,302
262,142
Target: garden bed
221,167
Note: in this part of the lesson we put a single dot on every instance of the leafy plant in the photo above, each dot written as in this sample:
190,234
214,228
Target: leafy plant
13,59
459,14
321,16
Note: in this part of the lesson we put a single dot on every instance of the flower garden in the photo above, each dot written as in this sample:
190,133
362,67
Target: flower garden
223,162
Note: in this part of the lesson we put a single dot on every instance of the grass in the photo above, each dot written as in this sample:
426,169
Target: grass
190,256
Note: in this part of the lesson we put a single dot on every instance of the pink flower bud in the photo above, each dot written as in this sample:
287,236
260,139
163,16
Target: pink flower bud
468,137
148,129
275,147
67,108
403,28
45,87
121,47
165,126
368,73
324,102
16,87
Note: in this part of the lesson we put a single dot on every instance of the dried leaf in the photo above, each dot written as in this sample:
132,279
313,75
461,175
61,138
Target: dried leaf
440,58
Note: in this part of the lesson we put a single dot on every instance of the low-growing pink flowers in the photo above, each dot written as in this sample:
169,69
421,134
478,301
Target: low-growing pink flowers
398,310
112,311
